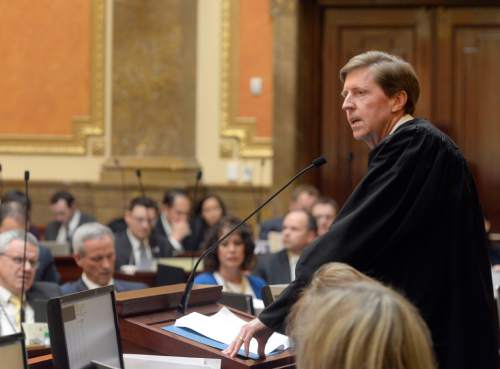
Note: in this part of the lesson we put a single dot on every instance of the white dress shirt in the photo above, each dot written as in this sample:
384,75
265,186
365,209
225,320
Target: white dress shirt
62,234
9,313
136,248
168,231
405,118
91,285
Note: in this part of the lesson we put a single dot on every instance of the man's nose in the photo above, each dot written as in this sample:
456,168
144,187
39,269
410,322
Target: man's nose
347,103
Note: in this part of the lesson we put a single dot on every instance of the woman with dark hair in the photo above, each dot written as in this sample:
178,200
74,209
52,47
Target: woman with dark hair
207,212
228,265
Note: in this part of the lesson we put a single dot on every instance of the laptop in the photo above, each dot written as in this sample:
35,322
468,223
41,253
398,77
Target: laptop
83,329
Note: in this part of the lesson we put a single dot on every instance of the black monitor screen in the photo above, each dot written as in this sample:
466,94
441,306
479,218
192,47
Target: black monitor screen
83,327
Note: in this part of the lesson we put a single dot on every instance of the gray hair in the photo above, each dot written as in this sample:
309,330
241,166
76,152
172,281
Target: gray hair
12,210
16,234
89,231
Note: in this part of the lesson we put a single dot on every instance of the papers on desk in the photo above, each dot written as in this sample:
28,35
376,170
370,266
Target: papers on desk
182,262
168,362
220,329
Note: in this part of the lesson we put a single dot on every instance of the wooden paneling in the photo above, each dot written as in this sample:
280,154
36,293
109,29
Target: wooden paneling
469,52
347,32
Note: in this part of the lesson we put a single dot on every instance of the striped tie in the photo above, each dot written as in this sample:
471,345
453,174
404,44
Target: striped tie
16,302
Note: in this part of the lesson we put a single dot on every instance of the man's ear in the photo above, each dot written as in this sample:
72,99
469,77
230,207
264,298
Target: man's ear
78,259
400,99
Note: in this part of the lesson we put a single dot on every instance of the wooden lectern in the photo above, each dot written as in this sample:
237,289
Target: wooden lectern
143,313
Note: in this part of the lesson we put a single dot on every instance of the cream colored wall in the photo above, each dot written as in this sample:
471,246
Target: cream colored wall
208,104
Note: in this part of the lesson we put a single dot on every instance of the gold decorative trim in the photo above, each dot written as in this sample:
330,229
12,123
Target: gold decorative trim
241,129
82,126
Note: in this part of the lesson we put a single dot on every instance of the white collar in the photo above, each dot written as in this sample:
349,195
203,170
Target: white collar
74,221
405,118
5,295
92,285
166,224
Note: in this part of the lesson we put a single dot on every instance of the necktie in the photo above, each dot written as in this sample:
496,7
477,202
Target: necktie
16,302
145,263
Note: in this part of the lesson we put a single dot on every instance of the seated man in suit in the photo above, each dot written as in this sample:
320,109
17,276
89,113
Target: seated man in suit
299,230
174,220
303,197
67,218
11,280
324,211
135,246
13,216
94,247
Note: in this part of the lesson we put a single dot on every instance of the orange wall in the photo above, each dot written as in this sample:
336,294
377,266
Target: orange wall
256,60
44,65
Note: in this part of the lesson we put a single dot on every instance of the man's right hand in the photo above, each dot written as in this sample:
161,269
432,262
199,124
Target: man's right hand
254,328
180,230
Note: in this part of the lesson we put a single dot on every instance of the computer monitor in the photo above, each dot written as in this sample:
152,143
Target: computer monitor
83,328
13,352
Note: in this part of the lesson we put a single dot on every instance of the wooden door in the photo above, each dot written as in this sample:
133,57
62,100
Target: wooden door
347,32
468,97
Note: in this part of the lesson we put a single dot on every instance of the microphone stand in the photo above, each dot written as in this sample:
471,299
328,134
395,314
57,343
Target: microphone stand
138,174
183,305
26,224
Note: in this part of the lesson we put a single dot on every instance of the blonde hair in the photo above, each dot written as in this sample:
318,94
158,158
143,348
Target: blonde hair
359,325
390,72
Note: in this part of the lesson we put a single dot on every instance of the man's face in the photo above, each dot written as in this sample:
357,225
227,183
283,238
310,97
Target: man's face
9,224
139,222
304,201
296,235
11,268
98,260
324,215
179,211
62,212
369,111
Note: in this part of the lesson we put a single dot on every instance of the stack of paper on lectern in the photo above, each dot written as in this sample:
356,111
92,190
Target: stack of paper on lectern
168,362
220,329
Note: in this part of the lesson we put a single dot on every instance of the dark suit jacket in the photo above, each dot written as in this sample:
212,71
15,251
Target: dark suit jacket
46,270
159,247
275,224
53,227
189,243
120,286
38,295
273,268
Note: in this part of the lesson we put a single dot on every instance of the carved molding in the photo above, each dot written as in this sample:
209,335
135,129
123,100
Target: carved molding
234,128
83,127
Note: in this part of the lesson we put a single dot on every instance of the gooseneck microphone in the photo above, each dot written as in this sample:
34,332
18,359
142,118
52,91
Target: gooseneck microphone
199,175
138,174
1,182
183,305
26,229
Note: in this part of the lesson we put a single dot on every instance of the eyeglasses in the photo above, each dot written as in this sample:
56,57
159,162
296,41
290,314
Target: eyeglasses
18,260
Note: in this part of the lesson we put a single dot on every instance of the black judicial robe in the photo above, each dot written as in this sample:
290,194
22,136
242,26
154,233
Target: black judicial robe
415,223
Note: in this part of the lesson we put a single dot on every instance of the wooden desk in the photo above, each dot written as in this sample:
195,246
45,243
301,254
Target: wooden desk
143,313
40,362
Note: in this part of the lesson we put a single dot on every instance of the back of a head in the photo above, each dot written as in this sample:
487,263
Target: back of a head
360,325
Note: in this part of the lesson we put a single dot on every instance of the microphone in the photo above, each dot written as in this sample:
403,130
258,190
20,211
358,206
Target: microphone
26,225
138,174
1,182
183,305
122,180
199,175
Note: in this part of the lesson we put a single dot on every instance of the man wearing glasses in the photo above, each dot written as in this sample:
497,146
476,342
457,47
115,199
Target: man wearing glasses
11,281
137,245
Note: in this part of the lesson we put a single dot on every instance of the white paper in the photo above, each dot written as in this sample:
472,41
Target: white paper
225,327
133,361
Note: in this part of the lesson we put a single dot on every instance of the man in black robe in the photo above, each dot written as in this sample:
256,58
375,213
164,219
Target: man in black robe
414,221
